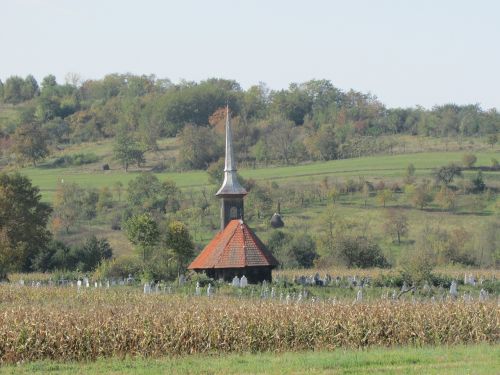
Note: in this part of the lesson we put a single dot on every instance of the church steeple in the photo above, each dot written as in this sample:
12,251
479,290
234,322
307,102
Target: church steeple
231,191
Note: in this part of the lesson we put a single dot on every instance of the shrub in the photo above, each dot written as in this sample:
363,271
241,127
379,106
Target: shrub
359,251
75,160
469,160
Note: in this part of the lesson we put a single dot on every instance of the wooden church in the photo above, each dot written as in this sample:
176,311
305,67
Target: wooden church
235,250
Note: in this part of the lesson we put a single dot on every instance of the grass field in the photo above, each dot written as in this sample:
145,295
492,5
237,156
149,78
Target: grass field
374,167
442,360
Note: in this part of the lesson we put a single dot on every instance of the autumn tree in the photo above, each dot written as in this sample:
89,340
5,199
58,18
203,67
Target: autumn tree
396,224
469,160
384,196
446,198
419,195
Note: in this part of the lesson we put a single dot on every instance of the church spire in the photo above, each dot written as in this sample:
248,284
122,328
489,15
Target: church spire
230,186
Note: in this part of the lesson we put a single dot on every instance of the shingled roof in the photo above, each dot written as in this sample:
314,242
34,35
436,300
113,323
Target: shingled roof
234,247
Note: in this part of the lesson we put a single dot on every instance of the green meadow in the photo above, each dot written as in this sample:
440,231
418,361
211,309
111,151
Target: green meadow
441,360
374,167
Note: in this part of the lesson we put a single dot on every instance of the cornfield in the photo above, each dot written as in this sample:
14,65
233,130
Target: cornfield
63,324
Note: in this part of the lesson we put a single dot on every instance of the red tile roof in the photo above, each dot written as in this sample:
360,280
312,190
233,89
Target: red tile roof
235,247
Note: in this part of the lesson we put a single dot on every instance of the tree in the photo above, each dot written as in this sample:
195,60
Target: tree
384,196
23,222
12,90
48,82
127,150
446,198
72,203
199,147
492,139
293,250
469,160
446,174
323,144
30,88
420,195
359,251
30,142
478,183
281,139
366,191
410,173
147,193
118,188
87,257
179,241
396,224
105,199
142,230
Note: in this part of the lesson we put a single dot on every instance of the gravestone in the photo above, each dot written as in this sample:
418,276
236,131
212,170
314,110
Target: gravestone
198,289
209,290
359,296
236,282
243,281
483,295
453,289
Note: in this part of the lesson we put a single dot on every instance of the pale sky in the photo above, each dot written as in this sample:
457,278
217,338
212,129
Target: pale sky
407,53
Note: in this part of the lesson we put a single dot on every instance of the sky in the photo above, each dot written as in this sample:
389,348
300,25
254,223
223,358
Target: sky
406,53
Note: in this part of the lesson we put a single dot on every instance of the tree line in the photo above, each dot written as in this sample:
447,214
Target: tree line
313,120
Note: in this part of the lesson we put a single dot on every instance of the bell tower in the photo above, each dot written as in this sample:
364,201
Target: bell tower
231,192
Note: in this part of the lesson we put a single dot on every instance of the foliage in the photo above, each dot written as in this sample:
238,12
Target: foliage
75,160
478,183
23,221
178,239
358,251
469,160
147,193
142,230
293,250
73,203
200,146
121,267
396,224
84,258
446,174
30,143
127,150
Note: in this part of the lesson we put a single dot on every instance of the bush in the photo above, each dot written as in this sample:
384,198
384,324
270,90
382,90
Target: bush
84,258
119,268
469,160
293,250
75,160
358,251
